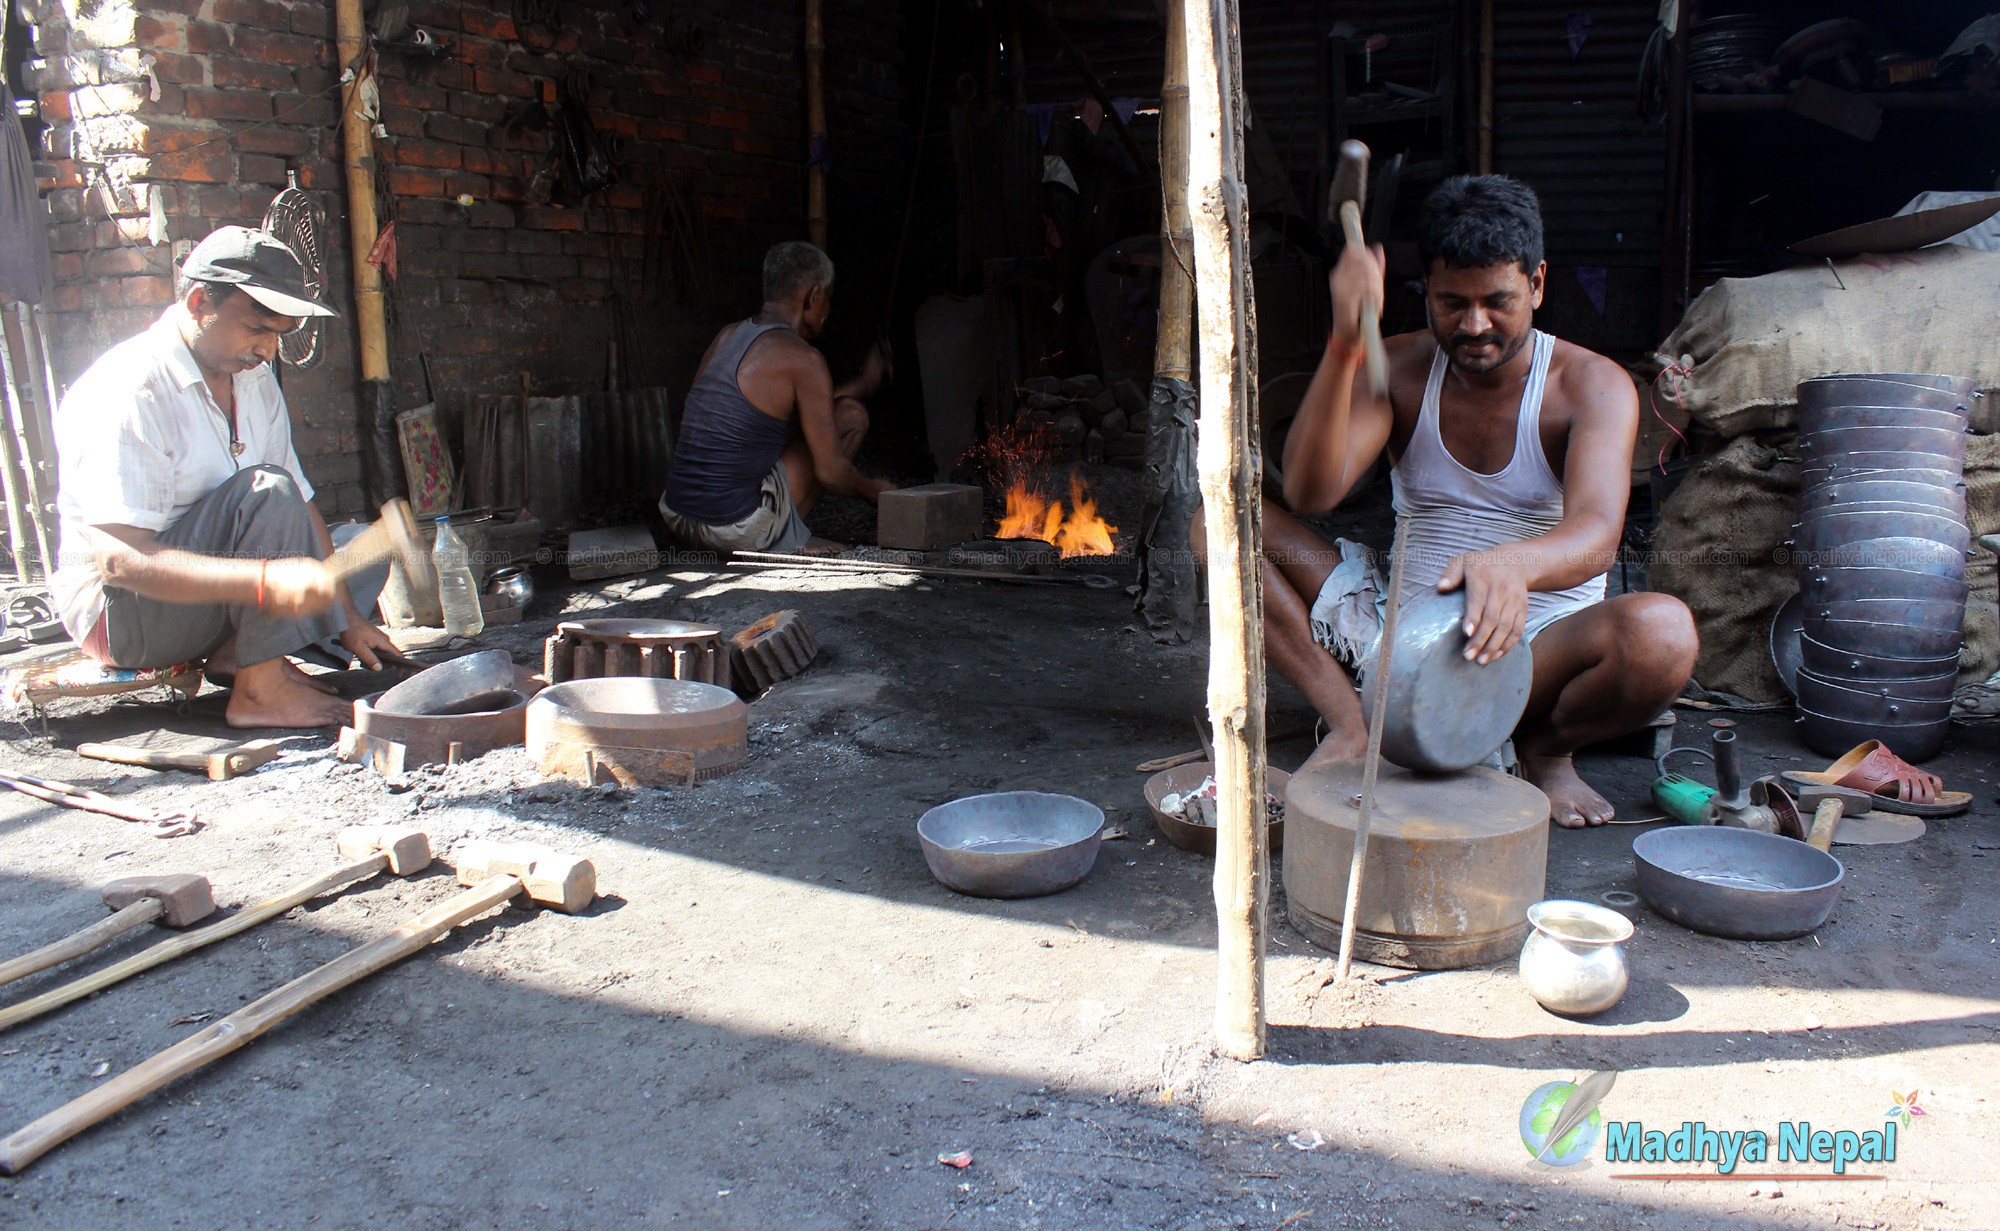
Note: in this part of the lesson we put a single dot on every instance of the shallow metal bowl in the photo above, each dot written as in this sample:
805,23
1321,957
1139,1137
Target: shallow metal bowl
1902,467
1877,702
1736,882
1942,615
1835,418
1885,640
1446,713
1837,583
1921,389
1788,628
1891,551
1833,444
1827,531
1830,662
1832,737
1011,844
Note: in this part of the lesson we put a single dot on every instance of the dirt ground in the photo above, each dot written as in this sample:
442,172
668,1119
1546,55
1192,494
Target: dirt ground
776,1018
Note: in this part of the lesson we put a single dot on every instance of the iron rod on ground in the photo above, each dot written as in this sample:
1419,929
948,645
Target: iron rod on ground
1371,767
1231,492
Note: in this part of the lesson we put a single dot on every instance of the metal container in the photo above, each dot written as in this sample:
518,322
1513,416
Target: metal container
1736,882
1886,640
1787,630
1903,552
1835,443
514,583
1831,663
637,731
1838,582
460,735
1832,737
1454,863
1827,531
1886,495
1834,418
1874,704
1901,467
1011,844
1190,836
1444,712
1941,615
1573,962
467,684
1924,390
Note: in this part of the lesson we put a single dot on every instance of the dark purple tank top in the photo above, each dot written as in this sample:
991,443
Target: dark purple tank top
726,445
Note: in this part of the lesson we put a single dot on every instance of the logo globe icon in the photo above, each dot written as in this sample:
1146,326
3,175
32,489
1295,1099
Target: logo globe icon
1538,1118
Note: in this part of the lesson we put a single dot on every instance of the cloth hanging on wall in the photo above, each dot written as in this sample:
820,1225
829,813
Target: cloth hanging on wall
24,219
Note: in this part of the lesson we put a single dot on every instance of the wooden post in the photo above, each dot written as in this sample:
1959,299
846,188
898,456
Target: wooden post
1173,350
815,125
1486,87
1229,467
358,139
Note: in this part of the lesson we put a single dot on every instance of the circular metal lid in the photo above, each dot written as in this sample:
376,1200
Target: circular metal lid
1472,805
636,630
632,703
1446,712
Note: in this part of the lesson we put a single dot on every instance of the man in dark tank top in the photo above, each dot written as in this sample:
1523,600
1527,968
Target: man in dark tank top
1511,457
765,432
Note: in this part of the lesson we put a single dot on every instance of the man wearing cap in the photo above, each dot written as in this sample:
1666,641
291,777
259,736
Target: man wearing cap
187,529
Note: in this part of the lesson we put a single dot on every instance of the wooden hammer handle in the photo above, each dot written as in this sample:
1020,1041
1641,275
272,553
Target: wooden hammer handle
76,944
218,1039
1371,314
1825,818
187,942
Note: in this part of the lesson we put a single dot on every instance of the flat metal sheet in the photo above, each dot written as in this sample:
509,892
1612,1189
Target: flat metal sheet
1902,232
1878,828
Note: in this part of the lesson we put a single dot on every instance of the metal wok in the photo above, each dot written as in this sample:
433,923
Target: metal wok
1736,882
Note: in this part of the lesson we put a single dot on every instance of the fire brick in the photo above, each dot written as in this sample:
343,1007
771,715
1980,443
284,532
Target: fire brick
927,517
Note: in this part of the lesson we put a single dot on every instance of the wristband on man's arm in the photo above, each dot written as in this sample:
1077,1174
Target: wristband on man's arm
1339,351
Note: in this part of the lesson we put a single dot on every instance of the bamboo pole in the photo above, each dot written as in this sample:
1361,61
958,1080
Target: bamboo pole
1228,464
1486,87
1173,350
358,137
815,124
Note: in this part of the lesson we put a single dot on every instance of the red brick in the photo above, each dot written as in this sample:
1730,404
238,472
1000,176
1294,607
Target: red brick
662,132
412,94
551,218
481,53
260,169
69,299
273,139
322,174
206,104
264,14
405,182
435,14
695,71
207,37
403,121
464,184
251,75
121,261
152,32
55,108
436,154
145,292
178,69
735,121
314,20
222,203
503,81
479,107
293,49
716,208
186,8
486,23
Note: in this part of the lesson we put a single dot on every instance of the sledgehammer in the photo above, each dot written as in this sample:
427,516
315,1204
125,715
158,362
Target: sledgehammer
497,872
1344,201
176,899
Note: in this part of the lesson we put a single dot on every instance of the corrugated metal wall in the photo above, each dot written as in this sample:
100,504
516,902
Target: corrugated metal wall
1566,125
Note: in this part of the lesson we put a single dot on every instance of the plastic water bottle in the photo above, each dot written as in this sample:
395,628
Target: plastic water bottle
458,594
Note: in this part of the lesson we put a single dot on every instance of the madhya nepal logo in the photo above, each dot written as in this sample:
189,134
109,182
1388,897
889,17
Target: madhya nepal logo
1562,1122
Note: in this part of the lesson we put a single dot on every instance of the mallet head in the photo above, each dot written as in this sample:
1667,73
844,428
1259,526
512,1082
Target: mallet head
409,850
566,882
184,898
1852,802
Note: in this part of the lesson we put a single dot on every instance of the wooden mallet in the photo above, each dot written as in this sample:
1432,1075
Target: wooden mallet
497,873
393,536
1344,199
176,899
369,849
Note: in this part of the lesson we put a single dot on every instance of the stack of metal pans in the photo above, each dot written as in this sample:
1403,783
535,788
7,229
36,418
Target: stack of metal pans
1881,545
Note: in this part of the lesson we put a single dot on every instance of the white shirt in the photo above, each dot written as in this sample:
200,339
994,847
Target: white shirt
139,439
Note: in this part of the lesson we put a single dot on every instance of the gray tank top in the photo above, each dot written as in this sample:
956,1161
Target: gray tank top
1452,509
726,445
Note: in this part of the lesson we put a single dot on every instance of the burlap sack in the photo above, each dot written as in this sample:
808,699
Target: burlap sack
1720,546
1738,355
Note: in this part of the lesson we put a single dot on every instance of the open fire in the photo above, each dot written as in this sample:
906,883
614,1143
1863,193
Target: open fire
1021,462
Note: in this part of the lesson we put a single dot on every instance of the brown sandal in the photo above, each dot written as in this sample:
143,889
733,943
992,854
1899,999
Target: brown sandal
1896,785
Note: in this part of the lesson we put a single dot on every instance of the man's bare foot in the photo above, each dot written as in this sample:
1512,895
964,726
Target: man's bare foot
1338,746
267,695
220,670
1572,803
310,681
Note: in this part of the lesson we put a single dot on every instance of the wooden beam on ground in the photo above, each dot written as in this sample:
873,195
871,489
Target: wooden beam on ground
1230,466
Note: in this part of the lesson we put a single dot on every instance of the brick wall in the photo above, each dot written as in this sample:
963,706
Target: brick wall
171,117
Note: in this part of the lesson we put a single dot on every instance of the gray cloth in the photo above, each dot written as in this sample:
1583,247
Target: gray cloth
258,515
24,219
774,525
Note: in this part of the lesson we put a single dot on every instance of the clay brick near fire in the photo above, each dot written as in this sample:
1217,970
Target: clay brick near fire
928,517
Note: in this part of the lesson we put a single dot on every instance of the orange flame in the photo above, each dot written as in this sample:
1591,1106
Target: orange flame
1078,531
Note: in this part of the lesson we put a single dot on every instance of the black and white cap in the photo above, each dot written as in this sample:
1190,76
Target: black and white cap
266,270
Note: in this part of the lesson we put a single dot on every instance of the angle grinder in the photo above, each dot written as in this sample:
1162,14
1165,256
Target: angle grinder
1764,805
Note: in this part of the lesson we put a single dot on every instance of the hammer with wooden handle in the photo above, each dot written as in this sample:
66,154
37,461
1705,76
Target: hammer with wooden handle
220,765
1829,804
176,899
497,873
393,536
369,849
1344,200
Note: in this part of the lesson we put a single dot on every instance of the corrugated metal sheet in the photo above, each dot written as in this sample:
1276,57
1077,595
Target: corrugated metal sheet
1565,123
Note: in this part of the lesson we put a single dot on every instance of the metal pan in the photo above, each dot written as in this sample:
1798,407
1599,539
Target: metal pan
1883,389
1787,632
1934,615
1833,663
1445,713
1011,844
1882,464
1824,696
1828,530
1831,418
1736,882
1895,551
1855,494
1836,443
1886,640
1833,584
1833,737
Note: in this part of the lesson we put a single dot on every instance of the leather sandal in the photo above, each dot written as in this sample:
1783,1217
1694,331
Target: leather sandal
1896,785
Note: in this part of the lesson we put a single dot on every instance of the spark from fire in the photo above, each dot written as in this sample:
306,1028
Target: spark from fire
1021,462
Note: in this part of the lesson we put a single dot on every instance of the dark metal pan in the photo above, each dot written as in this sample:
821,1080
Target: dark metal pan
1787,632
1936,615
1832,663
1834,418
1894,551
1829,530
1884,389
1738,883
1833,737
1831,585
1924,700
1937,472
1854,494
1836,443
1886,640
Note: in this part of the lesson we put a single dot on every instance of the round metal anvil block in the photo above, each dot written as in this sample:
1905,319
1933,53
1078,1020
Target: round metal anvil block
1454,863
637,732
653,649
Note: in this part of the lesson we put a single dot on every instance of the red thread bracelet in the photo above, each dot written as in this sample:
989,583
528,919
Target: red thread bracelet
263,566
1339,351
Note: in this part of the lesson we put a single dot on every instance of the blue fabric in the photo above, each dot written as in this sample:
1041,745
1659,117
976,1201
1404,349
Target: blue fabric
726,445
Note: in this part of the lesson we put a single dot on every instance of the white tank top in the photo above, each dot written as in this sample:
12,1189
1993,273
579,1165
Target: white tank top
1451,509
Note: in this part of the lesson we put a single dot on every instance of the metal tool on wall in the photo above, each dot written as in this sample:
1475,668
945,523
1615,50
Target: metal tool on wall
295,219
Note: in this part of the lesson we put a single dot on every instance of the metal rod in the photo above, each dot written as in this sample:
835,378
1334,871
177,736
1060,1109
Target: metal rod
1371,767
749,559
